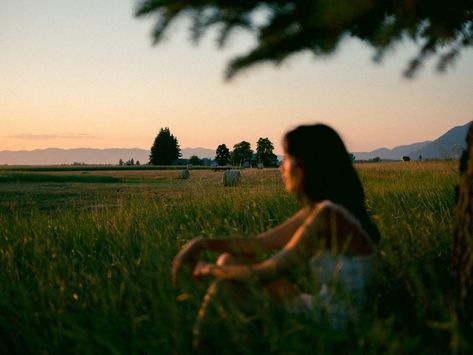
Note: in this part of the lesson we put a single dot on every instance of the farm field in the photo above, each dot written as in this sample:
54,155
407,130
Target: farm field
86,256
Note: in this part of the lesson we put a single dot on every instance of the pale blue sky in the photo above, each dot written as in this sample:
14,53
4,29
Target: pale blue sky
84,74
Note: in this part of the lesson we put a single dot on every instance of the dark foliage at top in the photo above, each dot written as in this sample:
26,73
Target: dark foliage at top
285,27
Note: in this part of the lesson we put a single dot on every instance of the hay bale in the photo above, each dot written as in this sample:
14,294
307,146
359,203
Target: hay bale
184,174
231,178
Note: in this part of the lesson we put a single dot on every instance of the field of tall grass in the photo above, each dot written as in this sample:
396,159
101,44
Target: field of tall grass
85,261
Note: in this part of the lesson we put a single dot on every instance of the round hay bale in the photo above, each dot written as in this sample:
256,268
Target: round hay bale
231,178
184,174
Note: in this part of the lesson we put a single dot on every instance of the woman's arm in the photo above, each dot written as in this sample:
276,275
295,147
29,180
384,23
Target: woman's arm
325,227
303,243
280,235
275,238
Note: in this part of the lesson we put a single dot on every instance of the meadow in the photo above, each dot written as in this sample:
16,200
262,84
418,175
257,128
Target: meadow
86,253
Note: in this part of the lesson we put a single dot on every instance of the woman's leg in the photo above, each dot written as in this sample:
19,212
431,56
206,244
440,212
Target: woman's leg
220,296
282,290
226,298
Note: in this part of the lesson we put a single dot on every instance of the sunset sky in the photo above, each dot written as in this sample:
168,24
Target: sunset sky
84,74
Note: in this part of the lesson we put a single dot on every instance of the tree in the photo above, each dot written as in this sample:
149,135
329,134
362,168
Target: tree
195,160
222,155
406,158
241,153
462,262
165,148
438,28
264,152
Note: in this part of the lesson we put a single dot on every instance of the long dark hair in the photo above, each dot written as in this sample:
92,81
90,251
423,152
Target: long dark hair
328,171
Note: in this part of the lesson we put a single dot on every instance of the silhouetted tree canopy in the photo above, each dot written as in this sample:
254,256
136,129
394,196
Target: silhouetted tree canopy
242,153
222,155
264,152
165,148
195,160
285,27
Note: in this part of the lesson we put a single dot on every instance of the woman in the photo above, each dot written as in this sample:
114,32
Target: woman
331,235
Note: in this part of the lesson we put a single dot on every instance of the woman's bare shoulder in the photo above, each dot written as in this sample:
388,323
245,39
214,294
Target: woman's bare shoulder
348,223
328,207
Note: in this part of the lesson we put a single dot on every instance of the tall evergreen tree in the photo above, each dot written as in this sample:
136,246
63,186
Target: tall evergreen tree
222,155
165,148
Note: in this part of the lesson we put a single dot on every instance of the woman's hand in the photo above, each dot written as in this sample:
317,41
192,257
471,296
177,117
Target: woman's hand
188,256
207,269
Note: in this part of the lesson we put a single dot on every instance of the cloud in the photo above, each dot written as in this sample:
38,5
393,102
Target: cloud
76,136
52,136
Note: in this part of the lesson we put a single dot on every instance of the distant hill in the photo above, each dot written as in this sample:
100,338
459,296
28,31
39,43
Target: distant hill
52,156
447,146
395,153
200,152
55,156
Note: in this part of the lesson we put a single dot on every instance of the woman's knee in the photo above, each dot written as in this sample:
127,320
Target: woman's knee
225,259
229,259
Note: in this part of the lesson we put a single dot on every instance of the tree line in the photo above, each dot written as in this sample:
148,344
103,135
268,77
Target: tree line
166,150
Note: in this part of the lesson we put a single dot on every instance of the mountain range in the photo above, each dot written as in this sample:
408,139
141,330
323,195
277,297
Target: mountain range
55,156
447,146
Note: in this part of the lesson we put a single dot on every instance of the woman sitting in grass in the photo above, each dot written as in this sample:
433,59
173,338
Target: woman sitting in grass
331,236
